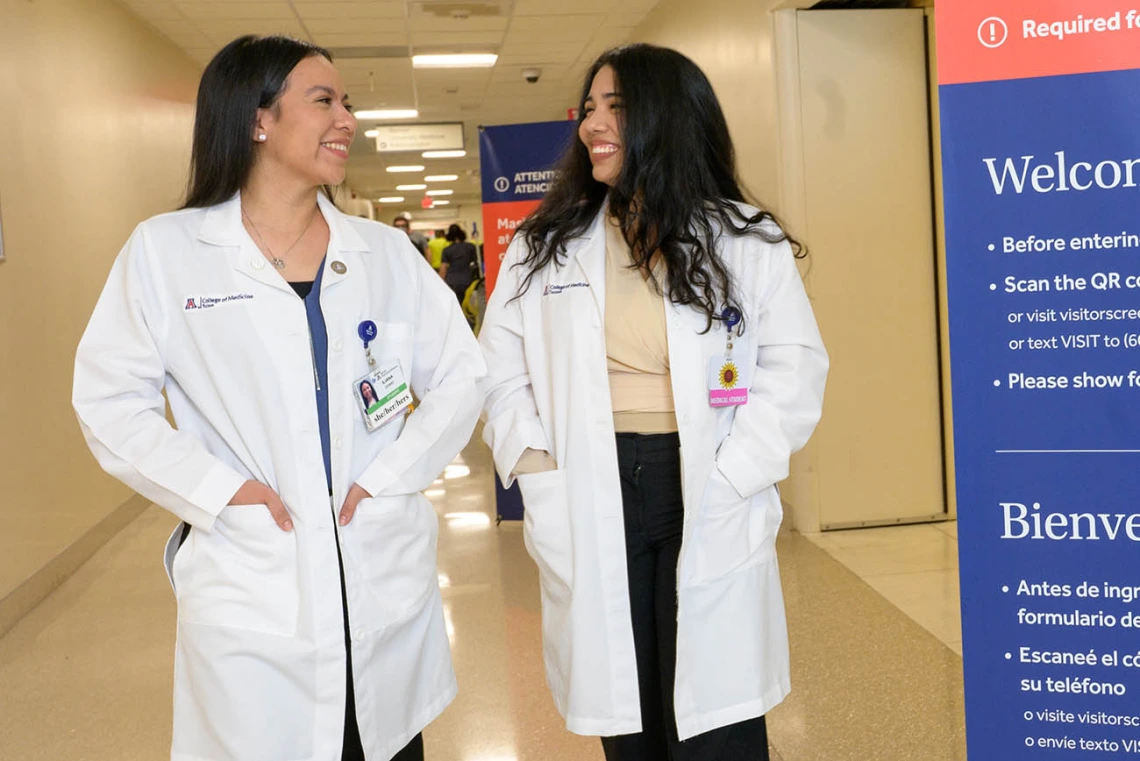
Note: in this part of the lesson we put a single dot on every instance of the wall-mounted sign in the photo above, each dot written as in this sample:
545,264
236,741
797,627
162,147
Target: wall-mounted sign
391,138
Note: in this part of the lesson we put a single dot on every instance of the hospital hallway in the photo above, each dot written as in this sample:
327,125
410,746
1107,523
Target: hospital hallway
86,675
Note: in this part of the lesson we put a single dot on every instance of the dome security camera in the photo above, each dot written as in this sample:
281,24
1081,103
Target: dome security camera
532,75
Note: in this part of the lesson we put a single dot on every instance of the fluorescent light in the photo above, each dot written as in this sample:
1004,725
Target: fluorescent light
440,203
391,199
405,169
411,187
444,154
440,192
441,178
388,113
455,61
371,133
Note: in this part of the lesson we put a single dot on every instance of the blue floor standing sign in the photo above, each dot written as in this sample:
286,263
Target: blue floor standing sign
1040,114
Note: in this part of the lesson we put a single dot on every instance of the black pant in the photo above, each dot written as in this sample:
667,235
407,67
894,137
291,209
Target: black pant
650,467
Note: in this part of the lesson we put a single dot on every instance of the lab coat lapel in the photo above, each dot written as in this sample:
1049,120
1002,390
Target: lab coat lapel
223,227
590,252
344,245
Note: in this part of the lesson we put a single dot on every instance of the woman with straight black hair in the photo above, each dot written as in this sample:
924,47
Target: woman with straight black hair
310,624
654,363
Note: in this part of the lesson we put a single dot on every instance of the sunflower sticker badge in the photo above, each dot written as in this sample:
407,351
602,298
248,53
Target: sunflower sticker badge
726,387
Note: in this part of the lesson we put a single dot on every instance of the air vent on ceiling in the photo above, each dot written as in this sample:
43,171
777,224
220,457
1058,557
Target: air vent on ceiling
456,9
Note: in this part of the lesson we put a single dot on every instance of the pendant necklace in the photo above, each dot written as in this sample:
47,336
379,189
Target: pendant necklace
278,262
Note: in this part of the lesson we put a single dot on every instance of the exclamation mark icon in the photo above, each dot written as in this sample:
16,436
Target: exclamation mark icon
993,32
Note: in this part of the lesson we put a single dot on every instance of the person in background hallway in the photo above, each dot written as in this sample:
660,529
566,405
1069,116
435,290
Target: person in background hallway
310,622
436,246
460,264
417,238
645,310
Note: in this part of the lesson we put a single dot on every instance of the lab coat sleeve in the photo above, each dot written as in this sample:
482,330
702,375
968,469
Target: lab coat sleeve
511,421
786,392
117,396
446,370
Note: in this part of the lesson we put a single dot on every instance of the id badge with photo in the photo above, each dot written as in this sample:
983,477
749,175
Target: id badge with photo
382,396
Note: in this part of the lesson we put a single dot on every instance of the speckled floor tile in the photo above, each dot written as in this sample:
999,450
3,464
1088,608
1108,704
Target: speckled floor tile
86,676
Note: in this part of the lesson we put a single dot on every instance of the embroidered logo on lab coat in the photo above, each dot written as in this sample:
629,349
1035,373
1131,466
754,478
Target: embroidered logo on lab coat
553,289
209,302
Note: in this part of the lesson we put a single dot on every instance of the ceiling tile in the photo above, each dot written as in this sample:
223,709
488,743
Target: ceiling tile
157,11
432,40
555,28
360,39
561,7
328,10
222,31
235,10
386,26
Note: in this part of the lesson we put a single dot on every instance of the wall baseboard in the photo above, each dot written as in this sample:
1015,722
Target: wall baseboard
24,598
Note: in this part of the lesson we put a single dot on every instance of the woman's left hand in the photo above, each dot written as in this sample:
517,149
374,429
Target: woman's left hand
355,494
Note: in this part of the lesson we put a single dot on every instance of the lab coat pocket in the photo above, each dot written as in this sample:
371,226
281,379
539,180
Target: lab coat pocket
730,532
546,529
173,544
240,575
393,541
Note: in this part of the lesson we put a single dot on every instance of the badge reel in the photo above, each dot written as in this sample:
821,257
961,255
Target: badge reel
383,393
727,388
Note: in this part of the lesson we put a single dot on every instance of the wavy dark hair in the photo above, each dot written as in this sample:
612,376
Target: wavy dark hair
678,184
249,73
455,233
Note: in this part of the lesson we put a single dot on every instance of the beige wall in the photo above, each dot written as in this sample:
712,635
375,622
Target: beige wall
94,137
731,40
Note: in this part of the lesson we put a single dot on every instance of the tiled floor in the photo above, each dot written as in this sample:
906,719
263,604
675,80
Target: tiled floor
86,675
914,567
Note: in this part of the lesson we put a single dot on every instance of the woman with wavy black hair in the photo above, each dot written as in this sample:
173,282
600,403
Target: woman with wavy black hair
310,622
654,363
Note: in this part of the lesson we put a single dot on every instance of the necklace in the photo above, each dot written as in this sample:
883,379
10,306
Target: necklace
279,262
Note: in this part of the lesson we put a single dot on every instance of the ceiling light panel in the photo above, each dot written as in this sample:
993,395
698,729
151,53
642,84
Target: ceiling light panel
411,187
441,178
408,168
454,61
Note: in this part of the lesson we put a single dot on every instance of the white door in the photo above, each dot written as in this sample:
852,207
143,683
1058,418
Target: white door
855,133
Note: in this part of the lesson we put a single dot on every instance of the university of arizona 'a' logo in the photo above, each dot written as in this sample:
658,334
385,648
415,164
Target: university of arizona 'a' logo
190,304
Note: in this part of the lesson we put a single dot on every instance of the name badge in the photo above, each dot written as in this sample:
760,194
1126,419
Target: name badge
382,396
727,387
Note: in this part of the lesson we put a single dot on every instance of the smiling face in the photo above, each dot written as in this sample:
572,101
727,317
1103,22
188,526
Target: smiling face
367,393
309,129
600,130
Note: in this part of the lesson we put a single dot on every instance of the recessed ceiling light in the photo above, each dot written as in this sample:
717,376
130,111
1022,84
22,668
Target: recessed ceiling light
389,113
440,192
391,199
411,187
371,132
444,154
455,61
440,203
405,169
441,178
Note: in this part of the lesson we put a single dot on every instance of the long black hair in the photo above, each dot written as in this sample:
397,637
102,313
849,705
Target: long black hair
677,187
249,73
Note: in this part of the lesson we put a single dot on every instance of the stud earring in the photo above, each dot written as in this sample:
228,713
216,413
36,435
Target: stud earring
261,138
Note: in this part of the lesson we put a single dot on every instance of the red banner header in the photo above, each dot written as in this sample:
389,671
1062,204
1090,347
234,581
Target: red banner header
990,40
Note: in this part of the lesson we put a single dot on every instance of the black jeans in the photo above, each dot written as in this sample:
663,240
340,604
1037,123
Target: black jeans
650,467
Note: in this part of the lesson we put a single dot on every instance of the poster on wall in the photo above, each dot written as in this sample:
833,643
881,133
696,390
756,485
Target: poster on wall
517,165
1041,163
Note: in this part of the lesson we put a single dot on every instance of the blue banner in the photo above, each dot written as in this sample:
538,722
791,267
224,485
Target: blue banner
1042,189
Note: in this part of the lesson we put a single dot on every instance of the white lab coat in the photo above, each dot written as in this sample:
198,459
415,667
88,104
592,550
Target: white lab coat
548,389
191,305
